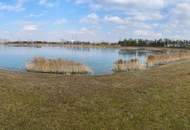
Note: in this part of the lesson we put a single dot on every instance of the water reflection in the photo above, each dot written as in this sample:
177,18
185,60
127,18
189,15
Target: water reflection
136,52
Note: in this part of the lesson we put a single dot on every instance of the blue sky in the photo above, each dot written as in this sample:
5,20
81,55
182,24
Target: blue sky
94,20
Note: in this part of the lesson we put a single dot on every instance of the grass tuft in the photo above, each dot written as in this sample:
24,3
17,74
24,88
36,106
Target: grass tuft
40,64
123,65
153,60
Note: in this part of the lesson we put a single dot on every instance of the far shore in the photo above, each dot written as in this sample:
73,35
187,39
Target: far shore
111,46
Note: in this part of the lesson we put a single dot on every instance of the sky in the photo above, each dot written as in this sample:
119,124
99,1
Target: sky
94,20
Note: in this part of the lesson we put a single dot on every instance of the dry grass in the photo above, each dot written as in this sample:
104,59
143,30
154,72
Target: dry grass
123,65
153,60
39,64
152,99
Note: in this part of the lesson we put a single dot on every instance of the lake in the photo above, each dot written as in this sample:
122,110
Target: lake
100,60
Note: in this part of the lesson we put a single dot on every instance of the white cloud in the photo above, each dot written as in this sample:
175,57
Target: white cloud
83,34
128,18
144,16
18,6
86,31
147,33
177,21
124,4
116,19
30,27
130,15
181,11
90,19
47,3
151,4
37,14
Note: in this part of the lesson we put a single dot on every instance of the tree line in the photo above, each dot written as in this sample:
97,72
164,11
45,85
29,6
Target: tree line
125,42
155,43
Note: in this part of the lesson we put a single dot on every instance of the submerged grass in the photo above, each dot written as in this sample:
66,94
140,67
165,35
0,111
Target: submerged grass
40,64
123,65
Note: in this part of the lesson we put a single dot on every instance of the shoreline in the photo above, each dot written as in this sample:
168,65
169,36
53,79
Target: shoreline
37,45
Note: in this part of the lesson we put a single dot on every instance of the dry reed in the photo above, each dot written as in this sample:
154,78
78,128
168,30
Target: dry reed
123,65
153,60
40,64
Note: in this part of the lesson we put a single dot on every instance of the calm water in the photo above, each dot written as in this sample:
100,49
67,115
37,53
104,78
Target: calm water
99,60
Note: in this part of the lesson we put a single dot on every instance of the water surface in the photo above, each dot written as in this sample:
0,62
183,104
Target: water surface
100,60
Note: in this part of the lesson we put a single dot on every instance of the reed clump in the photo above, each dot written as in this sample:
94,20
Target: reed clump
43,65
161,59
123,65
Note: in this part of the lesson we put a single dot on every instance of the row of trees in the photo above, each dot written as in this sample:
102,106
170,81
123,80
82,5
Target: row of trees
140,42
125,42
156,43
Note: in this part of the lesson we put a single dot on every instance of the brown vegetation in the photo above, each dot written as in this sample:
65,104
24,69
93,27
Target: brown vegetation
152,99
123,65
153,60
43,65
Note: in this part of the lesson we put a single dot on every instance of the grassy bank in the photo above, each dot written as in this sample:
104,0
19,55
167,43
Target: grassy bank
156,98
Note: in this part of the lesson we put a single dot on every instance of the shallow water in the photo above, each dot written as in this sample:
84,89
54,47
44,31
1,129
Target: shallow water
100,60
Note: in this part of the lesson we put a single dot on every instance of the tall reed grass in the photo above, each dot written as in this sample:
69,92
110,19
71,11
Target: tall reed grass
40,64
123,65
153,60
